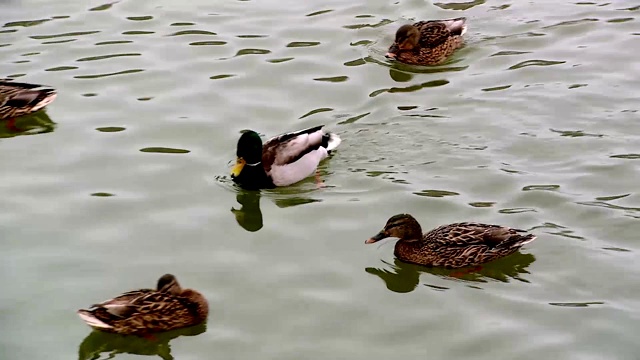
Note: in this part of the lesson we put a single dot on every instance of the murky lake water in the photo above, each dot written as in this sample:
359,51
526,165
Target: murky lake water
534,124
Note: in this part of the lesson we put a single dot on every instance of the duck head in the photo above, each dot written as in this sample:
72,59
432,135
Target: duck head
169,284
402,226
248,152
407,38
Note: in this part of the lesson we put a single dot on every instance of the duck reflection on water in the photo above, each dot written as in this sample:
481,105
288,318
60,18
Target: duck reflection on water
98,342
403,277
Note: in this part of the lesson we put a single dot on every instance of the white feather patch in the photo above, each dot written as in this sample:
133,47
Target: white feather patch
334,142
296,146
92,321
284,175
46,101
528,241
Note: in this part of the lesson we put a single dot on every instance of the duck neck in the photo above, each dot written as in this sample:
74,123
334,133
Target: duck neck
253,176
408,251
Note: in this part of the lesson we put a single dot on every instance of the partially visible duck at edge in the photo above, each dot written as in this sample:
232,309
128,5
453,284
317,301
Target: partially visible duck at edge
18,99
282,160
427,42
146,311
451,246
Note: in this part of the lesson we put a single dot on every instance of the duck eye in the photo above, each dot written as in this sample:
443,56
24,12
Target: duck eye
392,226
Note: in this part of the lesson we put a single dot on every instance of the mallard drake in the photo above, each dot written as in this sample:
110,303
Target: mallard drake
427,42
282,160
451,246
143,311
17,99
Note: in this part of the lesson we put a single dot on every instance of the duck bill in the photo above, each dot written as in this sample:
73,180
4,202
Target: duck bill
392,53
379,236
237,168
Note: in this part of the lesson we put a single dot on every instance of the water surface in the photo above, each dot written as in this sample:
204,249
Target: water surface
534,124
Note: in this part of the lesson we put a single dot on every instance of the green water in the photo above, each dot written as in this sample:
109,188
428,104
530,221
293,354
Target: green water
534,124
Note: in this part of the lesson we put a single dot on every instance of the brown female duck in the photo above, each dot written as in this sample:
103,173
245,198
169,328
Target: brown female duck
144,311
427,42
17,99
451,246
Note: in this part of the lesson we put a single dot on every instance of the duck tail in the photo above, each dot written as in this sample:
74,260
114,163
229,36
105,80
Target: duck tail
457,26
518,241
331,141
31,96
88,317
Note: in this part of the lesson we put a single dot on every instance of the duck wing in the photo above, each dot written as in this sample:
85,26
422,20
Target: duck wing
436,32
291,157
121,306
150,311
468,233
289,147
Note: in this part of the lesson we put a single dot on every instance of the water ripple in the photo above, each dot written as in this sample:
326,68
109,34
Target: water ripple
58,41
110,56
139,18
334,79
626,156
428,84
571,22
577,304
460,5
76,33
138,32
535,63
97,76
164,150
26,23
510,52
208,43
320,12
315,111
61,68
382,22
436,193
193,32
280,60
221,76
252,52
296,44
110,129
103,7
114,42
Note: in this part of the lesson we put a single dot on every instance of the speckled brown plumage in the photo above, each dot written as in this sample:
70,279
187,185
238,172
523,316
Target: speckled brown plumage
451,246
427,42
18,99
147,311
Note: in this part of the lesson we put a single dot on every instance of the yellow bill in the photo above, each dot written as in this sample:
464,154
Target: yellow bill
237,168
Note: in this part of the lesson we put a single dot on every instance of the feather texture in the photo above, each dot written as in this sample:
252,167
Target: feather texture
428,42
18,99
282,160
453,245
147,311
